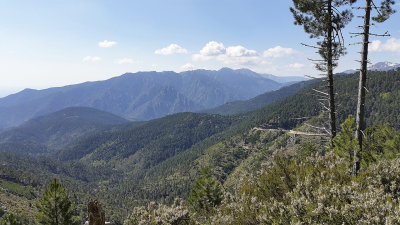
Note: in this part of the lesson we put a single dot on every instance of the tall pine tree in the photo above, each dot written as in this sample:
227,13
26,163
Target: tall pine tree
55,208
384,11
324,19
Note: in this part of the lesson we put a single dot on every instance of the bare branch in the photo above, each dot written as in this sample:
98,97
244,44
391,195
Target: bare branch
356,43
313,77
311,46
363,133
302,118
324,106
316,60
320,92
376,8
386,34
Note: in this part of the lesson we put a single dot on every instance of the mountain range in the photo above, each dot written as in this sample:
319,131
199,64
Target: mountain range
142,95
380,66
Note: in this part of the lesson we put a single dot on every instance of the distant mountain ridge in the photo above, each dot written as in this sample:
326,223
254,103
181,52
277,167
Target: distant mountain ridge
384,66
279,79
140,96
380,66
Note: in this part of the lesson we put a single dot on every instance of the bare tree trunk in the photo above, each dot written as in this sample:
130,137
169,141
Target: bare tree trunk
332,110
361,87
95,213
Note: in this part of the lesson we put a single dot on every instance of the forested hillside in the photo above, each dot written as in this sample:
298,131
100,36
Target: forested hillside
150,142
59,129
159,160
259,101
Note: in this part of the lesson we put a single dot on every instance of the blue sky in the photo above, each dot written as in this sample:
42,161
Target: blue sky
53,43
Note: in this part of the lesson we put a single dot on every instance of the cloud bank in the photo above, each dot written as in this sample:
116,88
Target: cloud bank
239,55
391,45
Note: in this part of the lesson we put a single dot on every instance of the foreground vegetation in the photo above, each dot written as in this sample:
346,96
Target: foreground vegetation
315,186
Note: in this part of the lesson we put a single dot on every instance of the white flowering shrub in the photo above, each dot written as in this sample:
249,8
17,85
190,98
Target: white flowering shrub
327,194
156,214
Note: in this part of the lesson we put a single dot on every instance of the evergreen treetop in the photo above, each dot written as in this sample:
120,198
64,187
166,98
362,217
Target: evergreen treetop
55,208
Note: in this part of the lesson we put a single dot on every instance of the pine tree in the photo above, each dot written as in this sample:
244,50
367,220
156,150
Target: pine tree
383,14
323,19
55,208
206,193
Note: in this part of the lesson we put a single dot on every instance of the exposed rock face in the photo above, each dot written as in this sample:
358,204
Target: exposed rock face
95,213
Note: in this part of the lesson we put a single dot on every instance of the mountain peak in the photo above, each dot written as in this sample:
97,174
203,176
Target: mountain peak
380,66
242,71
226,69
384,66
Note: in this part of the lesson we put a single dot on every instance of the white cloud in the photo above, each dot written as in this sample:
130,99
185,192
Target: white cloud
91,59
187,67
107,44
391,45
375,46
296,66
278,51
240,51
171,49
234,55
213,48
124,61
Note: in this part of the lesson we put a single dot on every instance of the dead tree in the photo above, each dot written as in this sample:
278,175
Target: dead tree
95,213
